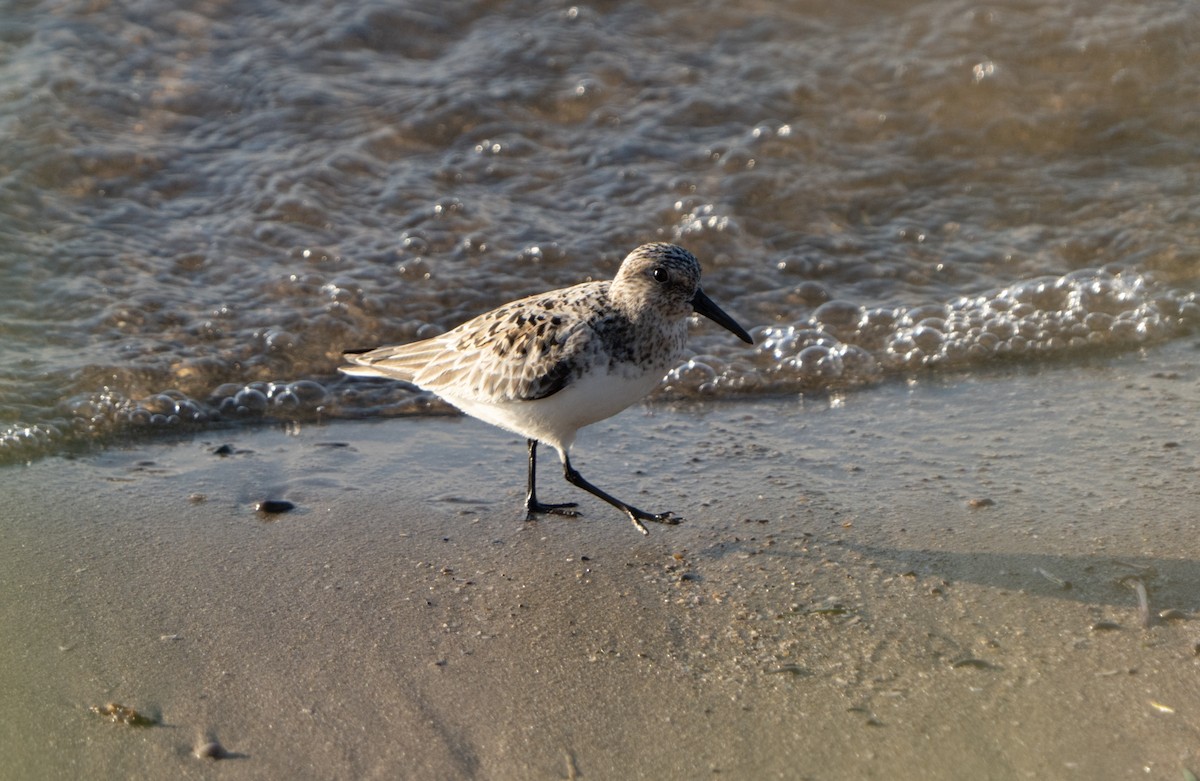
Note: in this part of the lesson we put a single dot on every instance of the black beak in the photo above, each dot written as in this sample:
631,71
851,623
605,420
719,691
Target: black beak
705,306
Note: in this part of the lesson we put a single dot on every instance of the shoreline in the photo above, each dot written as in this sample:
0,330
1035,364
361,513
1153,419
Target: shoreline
871,588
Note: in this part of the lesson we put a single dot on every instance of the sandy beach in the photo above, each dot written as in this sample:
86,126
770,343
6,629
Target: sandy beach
936,581
980,563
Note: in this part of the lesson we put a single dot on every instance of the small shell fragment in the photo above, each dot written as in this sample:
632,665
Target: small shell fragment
1060,582
122,714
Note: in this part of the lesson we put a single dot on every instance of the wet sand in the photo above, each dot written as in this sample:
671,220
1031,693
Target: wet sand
926,582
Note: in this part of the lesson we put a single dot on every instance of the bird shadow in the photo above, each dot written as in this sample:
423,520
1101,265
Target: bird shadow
1093,579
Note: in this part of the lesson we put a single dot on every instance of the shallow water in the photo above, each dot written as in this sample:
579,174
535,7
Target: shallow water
200,209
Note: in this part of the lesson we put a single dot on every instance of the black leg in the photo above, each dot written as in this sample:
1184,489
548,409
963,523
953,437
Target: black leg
635,515
532,505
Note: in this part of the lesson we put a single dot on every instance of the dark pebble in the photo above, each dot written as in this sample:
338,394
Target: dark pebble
210,750
223,450
274,506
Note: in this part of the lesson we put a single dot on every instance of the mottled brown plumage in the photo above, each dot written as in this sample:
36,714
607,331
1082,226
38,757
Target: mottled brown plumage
547,365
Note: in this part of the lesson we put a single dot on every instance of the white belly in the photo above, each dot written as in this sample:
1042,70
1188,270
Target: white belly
555,419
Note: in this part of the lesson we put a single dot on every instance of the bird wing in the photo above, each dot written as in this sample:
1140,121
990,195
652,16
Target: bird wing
526,350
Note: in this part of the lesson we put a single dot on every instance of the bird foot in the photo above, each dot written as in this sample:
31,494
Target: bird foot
533,509
637,516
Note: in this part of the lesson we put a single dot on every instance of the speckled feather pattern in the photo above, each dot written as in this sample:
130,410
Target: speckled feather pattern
534,347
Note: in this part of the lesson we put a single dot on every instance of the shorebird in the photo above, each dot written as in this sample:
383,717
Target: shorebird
546,366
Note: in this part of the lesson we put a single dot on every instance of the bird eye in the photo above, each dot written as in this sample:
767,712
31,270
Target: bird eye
661,275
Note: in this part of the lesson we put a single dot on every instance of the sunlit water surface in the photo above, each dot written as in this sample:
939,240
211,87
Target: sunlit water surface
200,209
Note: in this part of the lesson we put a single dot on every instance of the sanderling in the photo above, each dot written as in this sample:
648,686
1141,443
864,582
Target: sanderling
548,365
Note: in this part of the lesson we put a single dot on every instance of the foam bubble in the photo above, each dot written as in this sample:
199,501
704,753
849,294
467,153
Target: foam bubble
842,344
95,416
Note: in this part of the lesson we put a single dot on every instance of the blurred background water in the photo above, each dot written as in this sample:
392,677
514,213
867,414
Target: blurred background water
201,207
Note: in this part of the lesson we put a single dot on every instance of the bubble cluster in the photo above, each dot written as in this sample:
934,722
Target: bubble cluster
1041,318
303,397
21,441
844,345
838,345
96,416
169,408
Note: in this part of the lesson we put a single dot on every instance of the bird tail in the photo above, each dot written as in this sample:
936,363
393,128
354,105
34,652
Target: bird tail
399,362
